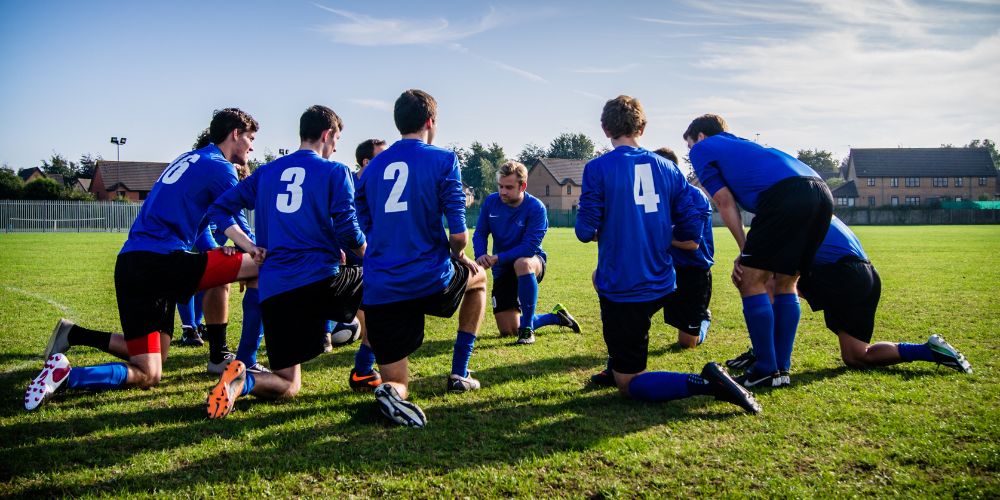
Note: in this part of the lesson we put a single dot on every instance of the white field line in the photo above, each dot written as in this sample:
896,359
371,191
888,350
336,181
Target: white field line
34,360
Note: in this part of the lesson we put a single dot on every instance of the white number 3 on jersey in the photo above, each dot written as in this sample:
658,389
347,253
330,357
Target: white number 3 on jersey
644,184
292,200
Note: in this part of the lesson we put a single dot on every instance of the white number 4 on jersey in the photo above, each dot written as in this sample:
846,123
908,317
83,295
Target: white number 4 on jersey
644,185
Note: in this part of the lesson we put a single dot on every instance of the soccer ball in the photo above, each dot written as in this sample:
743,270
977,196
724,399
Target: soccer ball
344,334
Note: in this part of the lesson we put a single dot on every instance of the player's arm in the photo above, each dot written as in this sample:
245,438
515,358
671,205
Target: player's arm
534,232
701,206
588,218
343,214
224,214
452,203
361,205
480,242
685,245
205,241
730,212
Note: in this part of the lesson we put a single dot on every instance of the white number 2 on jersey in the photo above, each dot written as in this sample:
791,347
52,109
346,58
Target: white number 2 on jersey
393,204
292,200
644,183
176,169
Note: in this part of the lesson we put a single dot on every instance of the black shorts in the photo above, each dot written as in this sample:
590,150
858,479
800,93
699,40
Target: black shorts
147,284
396,329
626,332
687,306
848,293
505,289
792,219
295,321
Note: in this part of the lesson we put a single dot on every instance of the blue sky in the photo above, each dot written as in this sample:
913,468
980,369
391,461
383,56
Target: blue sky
802,74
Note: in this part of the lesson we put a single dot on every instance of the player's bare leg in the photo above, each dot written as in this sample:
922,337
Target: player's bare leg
397,375
470,314
858,354
686,340
280,384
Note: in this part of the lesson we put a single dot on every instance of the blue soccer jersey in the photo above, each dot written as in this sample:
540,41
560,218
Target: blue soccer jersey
745,167
636,203
517,231
402,196
354,259
304,205
839,242
173,215
704,256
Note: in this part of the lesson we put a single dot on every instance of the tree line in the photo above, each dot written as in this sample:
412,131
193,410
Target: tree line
12,186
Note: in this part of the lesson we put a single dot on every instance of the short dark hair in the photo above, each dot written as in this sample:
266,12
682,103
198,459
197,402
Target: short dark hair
412,110
366,150
316,120
224,121
623,116
668,154
706,124
202,140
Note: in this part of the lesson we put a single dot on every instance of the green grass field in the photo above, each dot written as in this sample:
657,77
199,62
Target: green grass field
537,428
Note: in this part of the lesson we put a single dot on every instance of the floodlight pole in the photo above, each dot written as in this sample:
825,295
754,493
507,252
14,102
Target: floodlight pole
118,144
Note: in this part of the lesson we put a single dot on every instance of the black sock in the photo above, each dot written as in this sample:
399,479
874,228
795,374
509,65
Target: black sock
91,338
215,335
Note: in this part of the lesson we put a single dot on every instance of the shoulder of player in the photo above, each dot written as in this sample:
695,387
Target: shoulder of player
531,201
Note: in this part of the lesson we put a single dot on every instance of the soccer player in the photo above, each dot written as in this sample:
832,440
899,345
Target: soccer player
793,208
846,287
634,203
413,267
518,224
304,208
154,269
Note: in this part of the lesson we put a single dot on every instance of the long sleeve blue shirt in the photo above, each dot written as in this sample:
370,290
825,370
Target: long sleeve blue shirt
704,256
517,231
839,242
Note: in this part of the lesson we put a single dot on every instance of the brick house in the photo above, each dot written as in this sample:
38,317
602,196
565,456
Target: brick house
846,194
897,176
30,174
131,179
557,182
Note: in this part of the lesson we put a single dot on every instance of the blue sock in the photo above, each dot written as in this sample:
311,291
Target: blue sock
248,385
198,314
253,329
698,386
330,325
786,321
106,377
760,325
541,320
364,360
527,294
186,312
915,352
463,351
659,386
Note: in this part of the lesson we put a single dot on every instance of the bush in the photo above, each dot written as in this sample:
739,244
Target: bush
42,189
984,197
71,194
11,186
122,199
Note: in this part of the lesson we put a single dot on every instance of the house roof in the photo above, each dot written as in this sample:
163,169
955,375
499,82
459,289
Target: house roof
923,162
27,172
846,190
135,175
829,175
56,177
563,170
84,183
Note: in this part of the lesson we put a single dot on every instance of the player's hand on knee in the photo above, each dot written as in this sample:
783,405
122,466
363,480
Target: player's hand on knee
258,254
737,272
467,262
485,261
227,251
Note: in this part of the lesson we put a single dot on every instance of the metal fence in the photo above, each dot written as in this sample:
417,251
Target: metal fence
21,216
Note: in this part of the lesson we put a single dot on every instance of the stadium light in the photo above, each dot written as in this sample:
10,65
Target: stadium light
118,146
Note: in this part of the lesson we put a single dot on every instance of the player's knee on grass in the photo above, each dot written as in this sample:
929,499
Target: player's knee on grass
687,340
508,321
853,351
622,380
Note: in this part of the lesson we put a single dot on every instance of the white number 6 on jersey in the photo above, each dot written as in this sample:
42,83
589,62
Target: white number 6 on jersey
644,183
393,204
292,200
176,169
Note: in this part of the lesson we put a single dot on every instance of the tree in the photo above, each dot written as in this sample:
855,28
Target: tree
986,143
88,166
571,147
481,166
835,183
58,164
530,154
11,186
820,161
253,163
42,189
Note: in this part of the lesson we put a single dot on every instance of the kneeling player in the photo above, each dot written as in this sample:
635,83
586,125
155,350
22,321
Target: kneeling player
518,224
305,206
631,198
846,287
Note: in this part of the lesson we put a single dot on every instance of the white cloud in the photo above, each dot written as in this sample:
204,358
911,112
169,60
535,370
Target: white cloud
374,103
371,32
620,69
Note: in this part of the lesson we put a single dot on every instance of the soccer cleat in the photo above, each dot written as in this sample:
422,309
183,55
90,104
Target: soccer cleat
525,336
52,377
223,396
191,337
398,409
945,354
786,379
604,377
364,382
257,368
59,341
752,379
725,388
219,368
565,319
745,360
458,383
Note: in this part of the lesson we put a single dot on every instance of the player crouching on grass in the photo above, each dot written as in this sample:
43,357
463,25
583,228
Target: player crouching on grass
304,206
154,269
634,204
846,287
518,224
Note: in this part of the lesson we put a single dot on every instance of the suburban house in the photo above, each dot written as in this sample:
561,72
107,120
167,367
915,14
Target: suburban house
28,175
131,179
82,184
896,176
557,182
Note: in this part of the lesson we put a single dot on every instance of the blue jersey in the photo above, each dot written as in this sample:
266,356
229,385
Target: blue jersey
704,256
304,207
173,215
402,195
839,242
517,232
636,203
745,167
354,259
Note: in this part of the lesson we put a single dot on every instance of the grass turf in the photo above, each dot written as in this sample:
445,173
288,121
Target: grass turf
537,428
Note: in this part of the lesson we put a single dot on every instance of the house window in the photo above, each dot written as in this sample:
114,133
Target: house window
940,182
546,190
842,202
143,195
895,200
958,182
871,181
894,182
871,201
913,182
121,194
958,198
982,181
569,189
850,202
912,200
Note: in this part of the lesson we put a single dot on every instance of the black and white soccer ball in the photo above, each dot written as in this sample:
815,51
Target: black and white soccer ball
345,333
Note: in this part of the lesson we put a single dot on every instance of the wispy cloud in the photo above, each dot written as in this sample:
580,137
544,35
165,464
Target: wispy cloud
685,23
620,69
374,103
588,94
528,75
368,31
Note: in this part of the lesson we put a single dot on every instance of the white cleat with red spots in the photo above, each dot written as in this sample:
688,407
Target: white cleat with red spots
53,376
